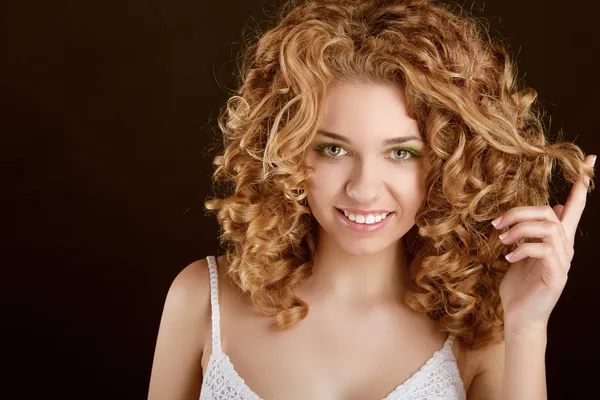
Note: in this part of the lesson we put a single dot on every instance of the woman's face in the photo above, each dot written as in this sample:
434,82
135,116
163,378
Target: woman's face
369,180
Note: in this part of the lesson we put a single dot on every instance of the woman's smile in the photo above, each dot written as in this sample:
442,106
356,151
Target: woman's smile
364,221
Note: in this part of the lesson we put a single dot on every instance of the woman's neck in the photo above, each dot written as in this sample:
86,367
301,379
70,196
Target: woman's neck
365,279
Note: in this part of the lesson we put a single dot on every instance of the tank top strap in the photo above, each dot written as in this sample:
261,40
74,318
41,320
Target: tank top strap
449,342
214,304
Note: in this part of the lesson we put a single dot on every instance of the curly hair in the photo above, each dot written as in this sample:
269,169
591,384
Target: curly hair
487,152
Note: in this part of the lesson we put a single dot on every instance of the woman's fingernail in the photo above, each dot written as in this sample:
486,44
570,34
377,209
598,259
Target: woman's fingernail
496,221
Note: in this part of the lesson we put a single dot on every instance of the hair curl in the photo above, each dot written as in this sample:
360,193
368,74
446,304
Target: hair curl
487,152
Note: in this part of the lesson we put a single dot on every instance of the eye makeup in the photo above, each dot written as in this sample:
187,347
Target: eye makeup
332,150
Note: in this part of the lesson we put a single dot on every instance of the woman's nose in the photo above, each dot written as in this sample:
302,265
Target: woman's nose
365,184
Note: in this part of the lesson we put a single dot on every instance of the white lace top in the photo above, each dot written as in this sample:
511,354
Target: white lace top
438,378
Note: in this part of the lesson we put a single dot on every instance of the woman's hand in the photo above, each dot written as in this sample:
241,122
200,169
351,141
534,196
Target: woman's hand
535,280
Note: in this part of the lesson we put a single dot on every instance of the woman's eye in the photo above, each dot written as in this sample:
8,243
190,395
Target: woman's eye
401,154
334,150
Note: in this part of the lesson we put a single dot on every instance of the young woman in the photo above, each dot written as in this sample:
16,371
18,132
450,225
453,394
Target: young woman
387,230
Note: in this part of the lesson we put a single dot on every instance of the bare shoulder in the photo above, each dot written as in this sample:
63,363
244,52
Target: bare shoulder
188,298
488,364
184,328
191,287
490,355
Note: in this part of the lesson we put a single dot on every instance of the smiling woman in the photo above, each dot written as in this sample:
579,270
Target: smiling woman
369,172
368,150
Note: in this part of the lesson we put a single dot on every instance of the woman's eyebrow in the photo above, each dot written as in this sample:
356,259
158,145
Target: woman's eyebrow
387,142
401,139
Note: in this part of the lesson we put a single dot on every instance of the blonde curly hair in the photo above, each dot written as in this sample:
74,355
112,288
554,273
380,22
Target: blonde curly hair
487,152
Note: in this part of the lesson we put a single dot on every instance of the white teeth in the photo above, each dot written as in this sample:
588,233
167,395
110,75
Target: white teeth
365,219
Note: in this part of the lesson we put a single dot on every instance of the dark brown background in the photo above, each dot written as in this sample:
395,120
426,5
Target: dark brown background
107,113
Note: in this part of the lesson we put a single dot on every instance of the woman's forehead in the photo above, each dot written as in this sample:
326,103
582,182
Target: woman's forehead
367,112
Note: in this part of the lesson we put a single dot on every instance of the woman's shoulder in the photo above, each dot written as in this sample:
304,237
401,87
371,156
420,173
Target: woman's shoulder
190,290
191,287
183,332
188,297
474,362
188,304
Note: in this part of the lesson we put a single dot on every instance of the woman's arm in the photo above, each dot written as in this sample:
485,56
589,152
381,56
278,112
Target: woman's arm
513,369
487,382
529,291
525,366
184,327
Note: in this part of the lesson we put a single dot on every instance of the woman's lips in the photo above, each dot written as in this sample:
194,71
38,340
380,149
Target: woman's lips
358,227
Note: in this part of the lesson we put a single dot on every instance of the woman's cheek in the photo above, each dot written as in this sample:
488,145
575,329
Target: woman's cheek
327,174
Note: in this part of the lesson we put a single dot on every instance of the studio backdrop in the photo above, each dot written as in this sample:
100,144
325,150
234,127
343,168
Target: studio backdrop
108,121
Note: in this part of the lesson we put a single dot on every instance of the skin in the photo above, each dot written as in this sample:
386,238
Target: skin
359,341
532,286
364,174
